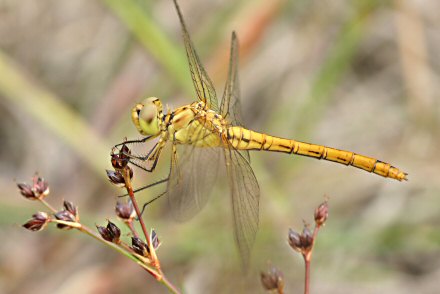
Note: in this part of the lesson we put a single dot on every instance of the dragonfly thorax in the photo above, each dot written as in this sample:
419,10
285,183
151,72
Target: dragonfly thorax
147,116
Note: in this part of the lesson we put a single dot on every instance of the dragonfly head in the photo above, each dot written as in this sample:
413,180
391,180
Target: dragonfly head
147,115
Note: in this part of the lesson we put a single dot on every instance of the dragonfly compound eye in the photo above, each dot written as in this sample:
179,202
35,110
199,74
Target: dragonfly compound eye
145,116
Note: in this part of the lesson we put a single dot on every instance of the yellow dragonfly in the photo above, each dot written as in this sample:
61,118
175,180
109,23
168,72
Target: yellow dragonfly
204,135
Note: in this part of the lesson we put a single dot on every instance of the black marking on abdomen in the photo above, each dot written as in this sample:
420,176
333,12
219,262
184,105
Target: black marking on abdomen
284,146
228,134
341,158
243,138
264,141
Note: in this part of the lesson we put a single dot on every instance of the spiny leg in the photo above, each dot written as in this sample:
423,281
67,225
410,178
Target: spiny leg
147,186
151,201
143,140
152,155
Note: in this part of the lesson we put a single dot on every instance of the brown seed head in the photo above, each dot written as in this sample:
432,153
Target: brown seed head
321,214
306,239
125,210
301,242
154,239
110,233
273,279
294,240
37,191
38,222
70,207
140,247
68,214
26,191
41,187
120,160
116,178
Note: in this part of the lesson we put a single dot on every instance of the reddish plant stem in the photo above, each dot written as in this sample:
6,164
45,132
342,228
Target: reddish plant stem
307,260
129,187
131,227
159,276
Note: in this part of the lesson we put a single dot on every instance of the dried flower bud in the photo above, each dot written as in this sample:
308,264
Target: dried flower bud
120,160
64,216
38,190
140,247
301,242
110,233
125,210
41,187
114,230
306,239
68,214
117,163
116,178
155,242
272,279
294,240
321,214
38,221
70,207
26,191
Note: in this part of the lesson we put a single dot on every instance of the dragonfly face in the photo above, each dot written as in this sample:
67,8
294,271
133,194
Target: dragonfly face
147,116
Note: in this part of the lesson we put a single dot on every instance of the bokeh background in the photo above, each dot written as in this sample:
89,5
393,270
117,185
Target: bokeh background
355,75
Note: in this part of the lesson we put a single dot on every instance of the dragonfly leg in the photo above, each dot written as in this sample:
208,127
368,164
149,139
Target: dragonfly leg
147,186
155,156
151,201
152,155
143,140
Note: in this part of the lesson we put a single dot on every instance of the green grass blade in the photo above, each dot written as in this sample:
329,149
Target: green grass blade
52,113
152,37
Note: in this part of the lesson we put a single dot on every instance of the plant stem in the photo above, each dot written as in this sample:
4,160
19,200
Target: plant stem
307,259
129,187
131,227
169,285
124,251
158,274
45,203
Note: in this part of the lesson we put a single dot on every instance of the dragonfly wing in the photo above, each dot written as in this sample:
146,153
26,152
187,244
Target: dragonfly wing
192,176
245,201
230,107
202,83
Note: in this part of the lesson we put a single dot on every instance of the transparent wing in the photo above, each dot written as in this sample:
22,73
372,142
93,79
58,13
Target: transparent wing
245,201
202,83
192,176
230,107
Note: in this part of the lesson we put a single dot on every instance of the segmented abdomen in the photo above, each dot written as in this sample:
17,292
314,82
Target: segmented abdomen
244,139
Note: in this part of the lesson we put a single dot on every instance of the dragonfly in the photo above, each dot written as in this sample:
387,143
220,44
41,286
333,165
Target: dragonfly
205,135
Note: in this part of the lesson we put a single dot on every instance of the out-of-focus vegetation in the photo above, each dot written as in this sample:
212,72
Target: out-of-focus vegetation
359,75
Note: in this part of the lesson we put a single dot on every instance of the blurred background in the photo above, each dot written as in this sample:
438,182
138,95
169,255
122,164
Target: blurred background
355,75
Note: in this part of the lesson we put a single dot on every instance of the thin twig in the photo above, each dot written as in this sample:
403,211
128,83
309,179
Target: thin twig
308,260
132,229
129,187
158,274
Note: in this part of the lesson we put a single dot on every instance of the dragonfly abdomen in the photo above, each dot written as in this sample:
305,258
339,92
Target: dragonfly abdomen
244,139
